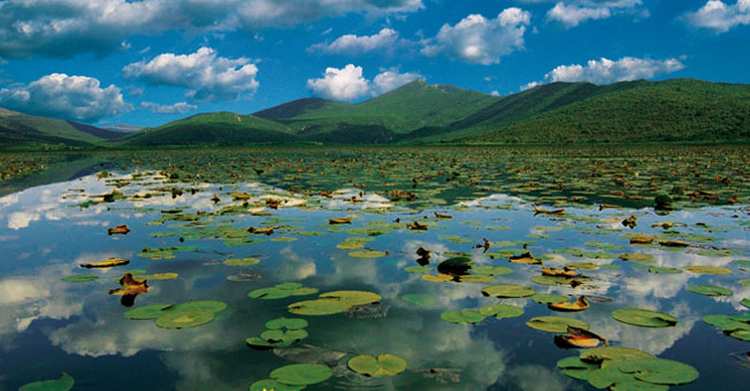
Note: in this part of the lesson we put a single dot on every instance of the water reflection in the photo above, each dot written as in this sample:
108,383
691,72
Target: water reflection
48,231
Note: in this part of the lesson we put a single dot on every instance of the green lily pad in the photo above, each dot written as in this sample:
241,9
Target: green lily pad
489,270
368,254
546,298
64,383
501,311
268,384
319,307
354,243
286,323
704,269
384,365
612,353
660,371
663,270
742,335
301,374
575,368
201,305
147,312
555,324
644,318
637,257
352,298
726,323
709,290
745,302
282,291
417,269
465,316
80,278
508,291
241,261
184,319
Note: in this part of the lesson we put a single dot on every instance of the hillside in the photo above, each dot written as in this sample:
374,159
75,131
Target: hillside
221,128
19,130
674,110
408,108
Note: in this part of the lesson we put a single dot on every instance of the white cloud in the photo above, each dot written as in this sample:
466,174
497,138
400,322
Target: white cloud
68,27
206,75
389,80
358,44
349,83
176,108
720,16
574,12
70,97
479,40
346,83
605,71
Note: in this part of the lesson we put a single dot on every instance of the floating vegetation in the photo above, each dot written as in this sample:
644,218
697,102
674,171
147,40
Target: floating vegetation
180,316
80,278
644,318
105,264
64,383
280,333
555,324
331,303
508,291
282,291
382,365
249,261
709,290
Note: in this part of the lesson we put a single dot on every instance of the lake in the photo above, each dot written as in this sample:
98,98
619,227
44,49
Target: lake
405,268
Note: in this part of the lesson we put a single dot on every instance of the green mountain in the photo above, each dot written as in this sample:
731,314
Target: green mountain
19,130
386,118
221,128
558,113
673,110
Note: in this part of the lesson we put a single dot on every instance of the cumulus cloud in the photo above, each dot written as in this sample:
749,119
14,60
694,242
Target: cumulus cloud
70,97
720,16
206,75
176,108
604,70
349,83
358,44
479,40
68,27
391,79
571,13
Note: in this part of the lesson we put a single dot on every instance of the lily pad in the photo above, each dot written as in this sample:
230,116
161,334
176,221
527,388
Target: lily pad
465,316
184,319
301,374
508,291
546,298
704,269
241,261
353,298
368,254
709,290
319,307
147,312
282,291
501,311
269,384
660,371
384,365
64,383
555,324
643,317
287,323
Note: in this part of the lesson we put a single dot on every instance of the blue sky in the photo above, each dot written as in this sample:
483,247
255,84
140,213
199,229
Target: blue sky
150,61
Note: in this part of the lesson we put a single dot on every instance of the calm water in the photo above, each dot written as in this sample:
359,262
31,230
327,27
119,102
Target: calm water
49,326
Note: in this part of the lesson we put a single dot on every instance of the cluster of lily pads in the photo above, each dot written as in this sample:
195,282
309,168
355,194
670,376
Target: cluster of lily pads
280,333
619,368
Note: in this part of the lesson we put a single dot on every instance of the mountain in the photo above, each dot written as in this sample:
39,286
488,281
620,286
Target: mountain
19,130
222,128
681,110
388,117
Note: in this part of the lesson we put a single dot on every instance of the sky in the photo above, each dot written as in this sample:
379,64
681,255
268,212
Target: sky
147,62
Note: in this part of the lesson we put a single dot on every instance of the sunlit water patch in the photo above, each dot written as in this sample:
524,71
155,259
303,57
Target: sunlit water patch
234,286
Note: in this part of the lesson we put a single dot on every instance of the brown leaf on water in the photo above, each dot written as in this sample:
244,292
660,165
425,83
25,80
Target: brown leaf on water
417,226
129,289
118,230
630,222
641,239
340,220
579,338
261,230
525,258
443,215
556,272
549,212
580,304
107,263
674,243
